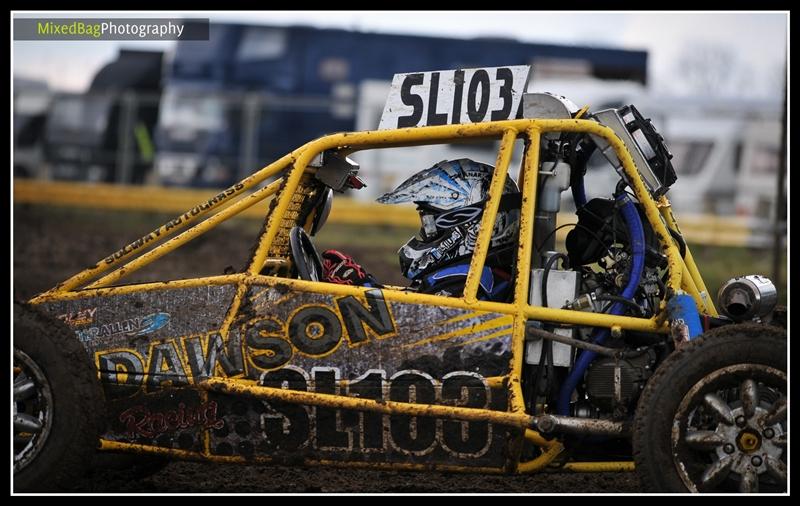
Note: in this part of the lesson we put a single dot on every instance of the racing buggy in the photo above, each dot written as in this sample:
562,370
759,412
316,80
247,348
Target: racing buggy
608,354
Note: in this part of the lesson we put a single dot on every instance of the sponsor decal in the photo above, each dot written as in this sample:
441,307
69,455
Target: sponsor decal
264,343
79,318
138,326
141,421
156,234
458,216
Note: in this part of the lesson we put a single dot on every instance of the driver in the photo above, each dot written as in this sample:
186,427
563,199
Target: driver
450,197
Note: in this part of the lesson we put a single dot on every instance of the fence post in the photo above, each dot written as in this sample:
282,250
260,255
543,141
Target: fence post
251,109
779,224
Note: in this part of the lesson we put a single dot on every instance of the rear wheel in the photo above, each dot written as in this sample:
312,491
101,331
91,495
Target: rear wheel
57,404
713,417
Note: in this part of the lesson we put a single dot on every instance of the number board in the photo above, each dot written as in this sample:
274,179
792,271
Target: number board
449,97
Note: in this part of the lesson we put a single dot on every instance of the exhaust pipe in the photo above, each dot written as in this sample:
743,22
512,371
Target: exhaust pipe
553,424
747,297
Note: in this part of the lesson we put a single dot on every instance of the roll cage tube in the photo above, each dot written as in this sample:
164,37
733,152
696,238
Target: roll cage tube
508,130
296,164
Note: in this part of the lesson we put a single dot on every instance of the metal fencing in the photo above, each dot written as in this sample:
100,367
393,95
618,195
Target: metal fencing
132,138
190,136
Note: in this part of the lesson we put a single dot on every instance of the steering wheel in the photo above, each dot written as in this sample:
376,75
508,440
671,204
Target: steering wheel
304,255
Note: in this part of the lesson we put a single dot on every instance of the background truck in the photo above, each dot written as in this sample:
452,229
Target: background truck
105,134
251,93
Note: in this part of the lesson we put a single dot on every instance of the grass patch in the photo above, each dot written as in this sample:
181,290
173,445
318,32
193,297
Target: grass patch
717,264
102,232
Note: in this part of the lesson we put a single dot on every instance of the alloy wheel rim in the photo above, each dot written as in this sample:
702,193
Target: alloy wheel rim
33,410
730,431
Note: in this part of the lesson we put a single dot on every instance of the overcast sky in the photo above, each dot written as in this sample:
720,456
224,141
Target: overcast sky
753,43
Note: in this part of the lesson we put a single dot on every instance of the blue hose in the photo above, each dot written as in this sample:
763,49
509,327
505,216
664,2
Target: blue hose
578,192
636,233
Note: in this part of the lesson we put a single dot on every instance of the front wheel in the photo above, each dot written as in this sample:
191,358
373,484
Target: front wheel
57,406
713,416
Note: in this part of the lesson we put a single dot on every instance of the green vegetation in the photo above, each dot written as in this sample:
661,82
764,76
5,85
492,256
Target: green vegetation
718,264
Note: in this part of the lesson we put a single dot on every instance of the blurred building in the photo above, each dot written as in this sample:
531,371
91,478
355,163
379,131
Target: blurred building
32,100
251,94
211,112
726,152
106,133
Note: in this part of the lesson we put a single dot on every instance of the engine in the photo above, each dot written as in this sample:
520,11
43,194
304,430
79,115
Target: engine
610,266
613,385
590,277
598,246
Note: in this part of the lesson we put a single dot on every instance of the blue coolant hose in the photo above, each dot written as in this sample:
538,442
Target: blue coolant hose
578,192
636,233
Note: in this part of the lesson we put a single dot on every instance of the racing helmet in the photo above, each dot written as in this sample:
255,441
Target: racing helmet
450,198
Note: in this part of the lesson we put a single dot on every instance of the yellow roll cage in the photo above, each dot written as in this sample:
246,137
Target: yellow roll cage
683,274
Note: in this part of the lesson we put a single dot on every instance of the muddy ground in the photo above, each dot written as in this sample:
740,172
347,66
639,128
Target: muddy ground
226,478
51,244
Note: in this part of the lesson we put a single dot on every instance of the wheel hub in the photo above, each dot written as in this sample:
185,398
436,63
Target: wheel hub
742,431
748,441
749,447
32,414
